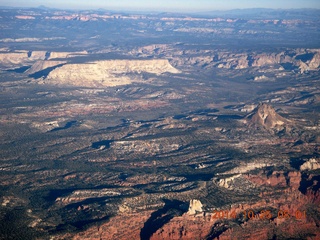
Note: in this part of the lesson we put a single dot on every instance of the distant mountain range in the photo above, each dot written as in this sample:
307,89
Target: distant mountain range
255,13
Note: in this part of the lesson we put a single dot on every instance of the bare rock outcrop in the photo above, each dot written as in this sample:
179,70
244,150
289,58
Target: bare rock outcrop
63,55
312,164
148,147
268,59
13,59
45,126
265,115
107,73
20,58
315,62
246,167
298,60
261,78
195,206
128,225
227,182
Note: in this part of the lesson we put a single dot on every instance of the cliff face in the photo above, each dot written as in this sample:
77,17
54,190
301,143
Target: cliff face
281,196
312,164
106,73
269,59
42,65
28,58
194,207
207,226
314,63
20,58
54,55
299,60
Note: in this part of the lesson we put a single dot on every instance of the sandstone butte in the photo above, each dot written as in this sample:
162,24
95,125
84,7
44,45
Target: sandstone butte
194,207
266,116
107,73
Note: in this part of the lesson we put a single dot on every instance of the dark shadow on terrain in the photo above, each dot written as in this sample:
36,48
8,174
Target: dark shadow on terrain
306,96
123,176
14,225
82,224
225,117
280,133
105,143
53,194
297,143
49,197
198,177
68,125
150,121
73,219
205,112
297,162
305,57
158,188
19,70
179,117
159,218
233,106
288,66
78,225
307,183
125,123
250,60
44,72
216,230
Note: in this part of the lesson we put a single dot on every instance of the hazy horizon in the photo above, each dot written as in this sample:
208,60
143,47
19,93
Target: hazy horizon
175,6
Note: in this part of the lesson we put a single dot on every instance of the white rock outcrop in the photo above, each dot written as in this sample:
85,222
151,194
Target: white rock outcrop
195,206
20,58
15,59
107,72
228,182
312,164
247,167
261,78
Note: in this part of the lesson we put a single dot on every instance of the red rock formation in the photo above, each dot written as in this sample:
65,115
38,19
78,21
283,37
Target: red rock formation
120,227
294,179
292,215
185,227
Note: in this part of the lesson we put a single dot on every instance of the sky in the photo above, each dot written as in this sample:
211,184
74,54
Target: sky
164,5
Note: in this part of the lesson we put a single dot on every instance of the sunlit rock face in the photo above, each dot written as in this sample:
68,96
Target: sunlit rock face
194,207
312,164
107,73
266,116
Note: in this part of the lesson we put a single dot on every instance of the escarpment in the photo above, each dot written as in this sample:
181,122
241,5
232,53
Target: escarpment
13,59
107,73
